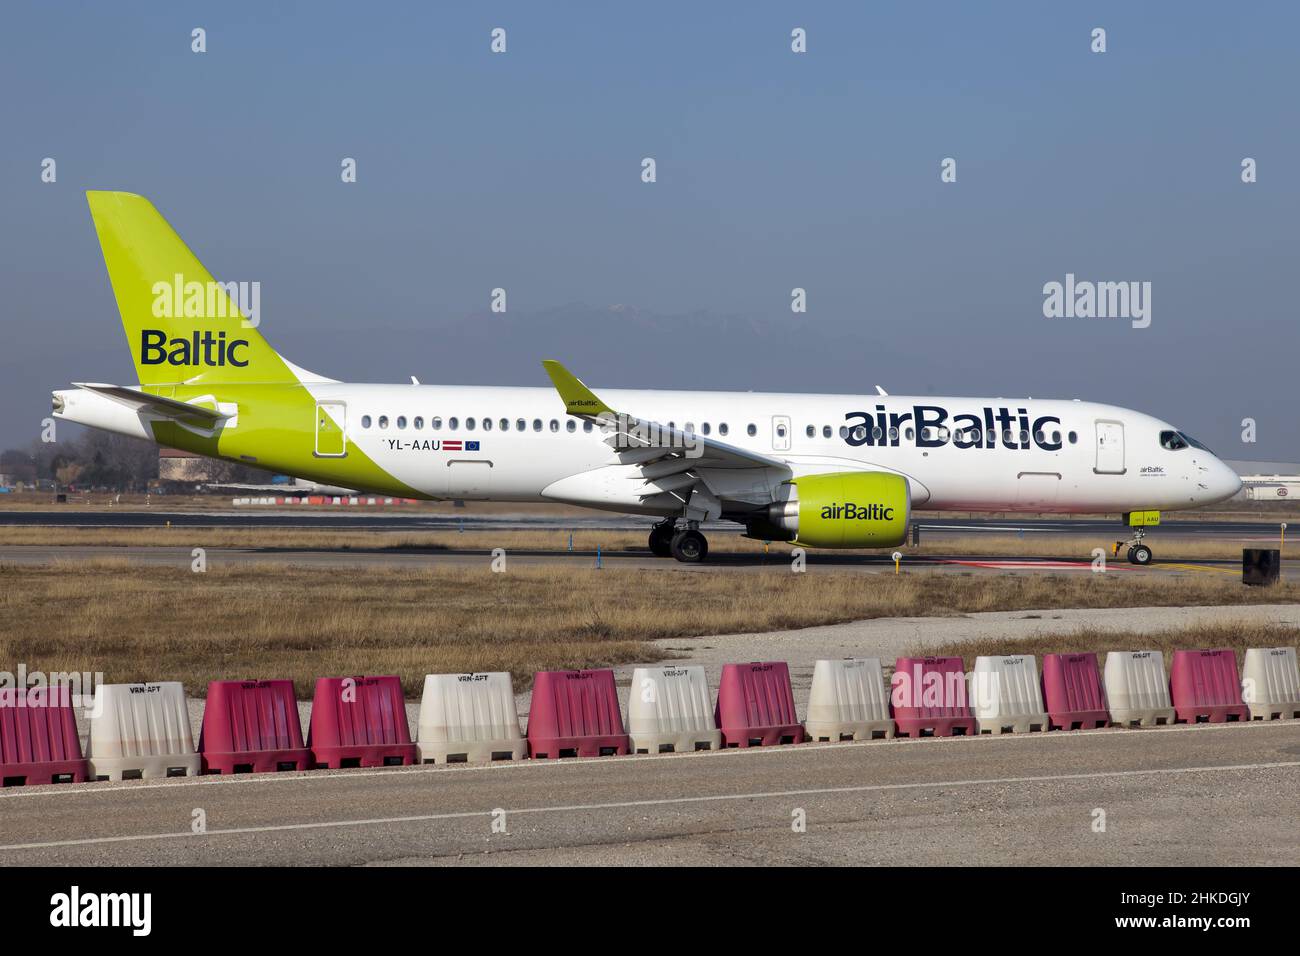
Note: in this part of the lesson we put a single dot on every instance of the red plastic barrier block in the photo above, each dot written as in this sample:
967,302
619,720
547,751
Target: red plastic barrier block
575,714
1073,692
252,727
756,706
1204,687
927,697
359,722
38,737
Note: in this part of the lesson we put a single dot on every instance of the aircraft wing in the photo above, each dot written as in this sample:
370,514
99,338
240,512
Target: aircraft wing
668,463
197,416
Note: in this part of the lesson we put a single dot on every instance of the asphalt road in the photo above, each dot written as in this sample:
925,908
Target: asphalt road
1224,795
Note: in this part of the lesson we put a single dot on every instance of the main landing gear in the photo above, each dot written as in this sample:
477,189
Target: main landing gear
686,545
1138,553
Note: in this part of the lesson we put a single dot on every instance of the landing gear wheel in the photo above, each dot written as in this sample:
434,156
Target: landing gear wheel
1140,554
661,541
690,547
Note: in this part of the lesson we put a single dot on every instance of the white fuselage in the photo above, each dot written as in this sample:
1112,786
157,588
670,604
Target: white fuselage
1018,454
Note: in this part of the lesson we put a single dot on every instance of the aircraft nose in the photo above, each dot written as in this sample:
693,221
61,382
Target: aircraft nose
1222,482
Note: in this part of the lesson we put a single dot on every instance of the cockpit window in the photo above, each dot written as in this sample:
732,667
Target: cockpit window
1193,442
1172,441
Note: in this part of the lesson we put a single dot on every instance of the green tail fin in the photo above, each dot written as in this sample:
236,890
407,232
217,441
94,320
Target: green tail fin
182,326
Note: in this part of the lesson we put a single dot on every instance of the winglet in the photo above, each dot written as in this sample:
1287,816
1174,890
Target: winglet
578,398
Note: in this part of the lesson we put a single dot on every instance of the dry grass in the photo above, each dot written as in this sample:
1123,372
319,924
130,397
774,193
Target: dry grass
1068,547
135,622
1237,635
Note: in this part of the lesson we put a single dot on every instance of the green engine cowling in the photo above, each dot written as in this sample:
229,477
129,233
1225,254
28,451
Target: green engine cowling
848,509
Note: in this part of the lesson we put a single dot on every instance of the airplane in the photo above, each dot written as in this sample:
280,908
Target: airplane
820,471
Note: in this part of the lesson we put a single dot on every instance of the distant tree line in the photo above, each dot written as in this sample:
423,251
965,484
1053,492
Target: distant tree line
103,460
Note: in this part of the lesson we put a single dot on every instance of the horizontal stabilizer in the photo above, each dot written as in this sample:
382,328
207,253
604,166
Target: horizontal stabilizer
197,416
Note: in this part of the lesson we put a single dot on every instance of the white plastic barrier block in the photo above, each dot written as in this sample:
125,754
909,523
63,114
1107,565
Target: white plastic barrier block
1006,696
141,731
848,701
1137,689
670,710
1270,683
469,718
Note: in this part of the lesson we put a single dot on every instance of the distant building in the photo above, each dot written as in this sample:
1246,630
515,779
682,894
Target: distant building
177,465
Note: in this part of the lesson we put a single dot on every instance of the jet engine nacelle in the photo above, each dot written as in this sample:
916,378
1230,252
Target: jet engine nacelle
849,509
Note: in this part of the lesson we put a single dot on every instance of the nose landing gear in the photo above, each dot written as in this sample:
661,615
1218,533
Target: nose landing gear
1138,553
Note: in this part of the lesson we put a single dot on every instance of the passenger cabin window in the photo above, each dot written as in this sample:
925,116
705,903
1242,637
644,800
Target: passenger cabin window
537,424
505,424
453,423
365,421
469,424
570,426
401,421
1074,437
435,423
586,426
520,425
826,431
555,425
811,431
722,429
383,421
751,430
418,423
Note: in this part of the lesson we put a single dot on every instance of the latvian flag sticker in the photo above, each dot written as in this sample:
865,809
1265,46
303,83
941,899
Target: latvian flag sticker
451,446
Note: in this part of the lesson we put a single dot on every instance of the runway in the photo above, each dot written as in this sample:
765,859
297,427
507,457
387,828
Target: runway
362,519
1208,795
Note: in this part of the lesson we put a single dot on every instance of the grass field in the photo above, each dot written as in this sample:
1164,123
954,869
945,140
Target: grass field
1237,636
1168,547
134,622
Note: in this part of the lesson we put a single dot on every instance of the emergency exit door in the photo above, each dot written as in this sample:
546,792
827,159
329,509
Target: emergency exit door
780,433
1110,448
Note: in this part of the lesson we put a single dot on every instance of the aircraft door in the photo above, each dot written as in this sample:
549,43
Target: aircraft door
1110,448
780,433
331,430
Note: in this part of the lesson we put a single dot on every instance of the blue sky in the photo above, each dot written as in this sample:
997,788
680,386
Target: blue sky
775,170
